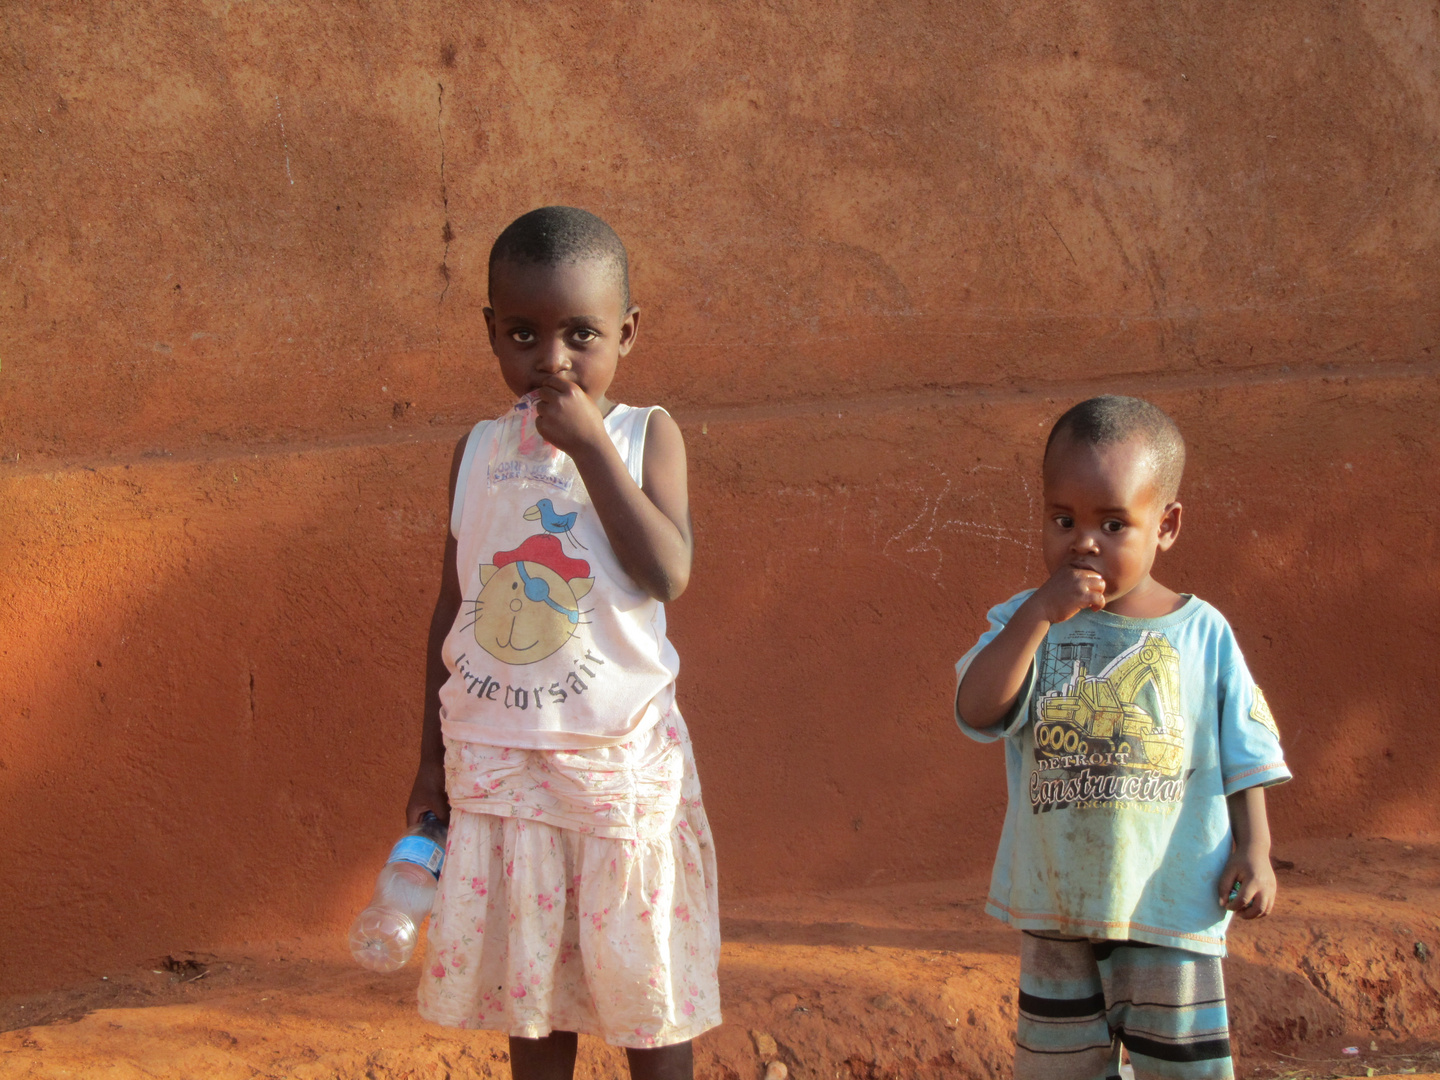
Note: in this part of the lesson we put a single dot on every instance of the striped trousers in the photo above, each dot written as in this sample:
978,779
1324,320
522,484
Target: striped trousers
1082,1000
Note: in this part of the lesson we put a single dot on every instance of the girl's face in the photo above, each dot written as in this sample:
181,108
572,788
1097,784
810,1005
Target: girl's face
567,320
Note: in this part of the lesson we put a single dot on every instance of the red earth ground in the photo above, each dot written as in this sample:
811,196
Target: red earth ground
885,982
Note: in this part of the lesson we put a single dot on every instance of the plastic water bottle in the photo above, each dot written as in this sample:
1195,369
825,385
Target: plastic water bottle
383,935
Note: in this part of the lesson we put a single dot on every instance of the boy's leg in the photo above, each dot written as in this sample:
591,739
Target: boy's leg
674,1062
1062,1032
550,1058
1168,1006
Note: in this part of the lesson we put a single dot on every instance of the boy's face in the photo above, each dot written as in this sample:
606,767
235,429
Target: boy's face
567,320
1103,513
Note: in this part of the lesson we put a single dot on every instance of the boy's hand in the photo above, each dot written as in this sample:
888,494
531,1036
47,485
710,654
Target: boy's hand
566,416
1069,590
1247,884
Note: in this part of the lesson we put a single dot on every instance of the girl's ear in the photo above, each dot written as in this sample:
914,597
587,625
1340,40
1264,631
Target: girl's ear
629,330
1169,526
490,326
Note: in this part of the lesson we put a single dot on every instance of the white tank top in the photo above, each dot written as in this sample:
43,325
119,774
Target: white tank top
555,646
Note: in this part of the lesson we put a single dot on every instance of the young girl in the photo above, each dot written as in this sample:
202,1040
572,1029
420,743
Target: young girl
579,889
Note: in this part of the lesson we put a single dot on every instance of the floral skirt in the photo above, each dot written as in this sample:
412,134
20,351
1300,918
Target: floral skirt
579,894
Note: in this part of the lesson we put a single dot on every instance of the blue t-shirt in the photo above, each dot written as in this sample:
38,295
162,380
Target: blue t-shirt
1126,739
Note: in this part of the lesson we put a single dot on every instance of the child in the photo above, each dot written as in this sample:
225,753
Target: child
579,889
1137,752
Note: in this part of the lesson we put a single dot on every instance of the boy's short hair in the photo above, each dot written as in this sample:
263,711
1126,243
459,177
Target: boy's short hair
553,235
1104,421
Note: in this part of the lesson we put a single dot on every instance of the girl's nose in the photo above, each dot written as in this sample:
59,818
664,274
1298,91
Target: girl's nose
555,360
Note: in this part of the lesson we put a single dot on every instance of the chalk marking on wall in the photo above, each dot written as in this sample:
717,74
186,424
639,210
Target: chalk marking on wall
925,520
918,537
283,142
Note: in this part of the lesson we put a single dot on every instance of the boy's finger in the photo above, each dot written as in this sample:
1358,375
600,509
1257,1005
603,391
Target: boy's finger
1250,907
1228,896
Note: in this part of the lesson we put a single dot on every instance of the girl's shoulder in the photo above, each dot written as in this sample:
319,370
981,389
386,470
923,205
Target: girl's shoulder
633,430
462,475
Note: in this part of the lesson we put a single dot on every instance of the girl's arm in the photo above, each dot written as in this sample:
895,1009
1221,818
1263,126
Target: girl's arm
1247,884
648,529
428,791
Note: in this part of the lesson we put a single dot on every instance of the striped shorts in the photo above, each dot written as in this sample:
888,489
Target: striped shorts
1082,1000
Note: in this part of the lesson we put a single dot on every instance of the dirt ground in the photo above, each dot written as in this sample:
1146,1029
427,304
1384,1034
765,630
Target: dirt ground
895,982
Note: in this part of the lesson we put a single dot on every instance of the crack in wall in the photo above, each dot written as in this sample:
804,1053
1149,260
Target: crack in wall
446,233
698,415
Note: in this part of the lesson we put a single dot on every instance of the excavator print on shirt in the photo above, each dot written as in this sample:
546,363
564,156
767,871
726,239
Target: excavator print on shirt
1115,737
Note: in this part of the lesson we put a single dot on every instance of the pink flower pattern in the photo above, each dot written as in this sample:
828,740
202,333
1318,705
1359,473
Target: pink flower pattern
593,873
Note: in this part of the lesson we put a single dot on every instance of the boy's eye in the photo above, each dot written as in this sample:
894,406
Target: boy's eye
1113,526
584,337
523,337
1063,521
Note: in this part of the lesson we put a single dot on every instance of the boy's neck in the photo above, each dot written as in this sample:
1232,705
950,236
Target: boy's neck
1147,600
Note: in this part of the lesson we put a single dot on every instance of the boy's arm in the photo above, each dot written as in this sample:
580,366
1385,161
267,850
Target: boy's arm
648,529
993,682
428,791
1247,884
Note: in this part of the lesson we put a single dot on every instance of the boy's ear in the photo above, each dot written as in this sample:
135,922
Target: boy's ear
1169,526
490,325
629,329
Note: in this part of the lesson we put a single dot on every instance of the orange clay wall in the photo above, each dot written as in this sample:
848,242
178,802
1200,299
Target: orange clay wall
878,247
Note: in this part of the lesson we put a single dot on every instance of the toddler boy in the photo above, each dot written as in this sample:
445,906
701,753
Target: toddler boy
1137,750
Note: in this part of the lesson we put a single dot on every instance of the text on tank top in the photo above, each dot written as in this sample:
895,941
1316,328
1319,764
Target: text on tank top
555,646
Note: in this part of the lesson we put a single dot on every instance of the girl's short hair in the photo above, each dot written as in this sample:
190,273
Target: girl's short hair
553,235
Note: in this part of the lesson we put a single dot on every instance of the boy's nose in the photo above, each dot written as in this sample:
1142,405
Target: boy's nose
1085,542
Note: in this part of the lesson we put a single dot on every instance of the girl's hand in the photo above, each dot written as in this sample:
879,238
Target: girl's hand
566,417
1069,590
428,793
1247,884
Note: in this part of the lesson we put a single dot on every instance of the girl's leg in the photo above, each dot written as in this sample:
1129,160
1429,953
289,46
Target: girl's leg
550,1058
674,1062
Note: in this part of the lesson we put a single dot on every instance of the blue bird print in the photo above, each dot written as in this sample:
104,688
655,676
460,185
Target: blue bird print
551,522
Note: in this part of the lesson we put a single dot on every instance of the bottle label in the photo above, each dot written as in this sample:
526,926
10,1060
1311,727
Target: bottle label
420,850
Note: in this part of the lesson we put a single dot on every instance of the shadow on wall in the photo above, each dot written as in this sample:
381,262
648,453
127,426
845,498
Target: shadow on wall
217,664
217,668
